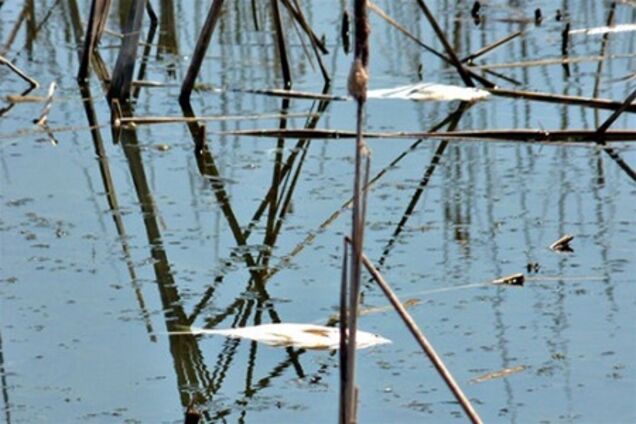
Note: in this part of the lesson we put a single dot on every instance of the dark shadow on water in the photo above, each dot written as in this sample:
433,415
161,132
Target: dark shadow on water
5,385
189,363
452,121
113,204
246,309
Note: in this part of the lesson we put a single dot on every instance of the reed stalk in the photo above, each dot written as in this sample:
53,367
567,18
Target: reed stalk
122,77
421,339
199,51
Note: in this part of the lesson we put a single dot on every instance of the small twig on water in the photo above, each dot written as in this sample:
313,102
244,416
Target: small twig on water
563,244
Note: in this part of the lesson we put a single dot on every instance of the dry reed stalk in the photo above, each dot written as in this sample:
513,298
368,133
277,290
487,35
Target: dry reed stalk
199,51
255,15
447,47
151,120
281,44
317,45
121,80
604,43
602,131
297,14
342,324
559,98
491,47
565,46
292,94
346,205
14,31
629,102
394,23
154,22
505,135
357,86
97,18
33,83
553,61
423,342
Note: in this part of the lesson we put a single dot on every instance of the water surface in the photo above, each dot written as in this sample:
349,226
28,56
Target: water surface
110,240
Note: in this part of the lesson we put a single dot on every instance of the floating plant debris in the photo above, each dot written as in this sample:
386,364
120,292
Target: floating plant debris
563,244
306,336
511,280
498,374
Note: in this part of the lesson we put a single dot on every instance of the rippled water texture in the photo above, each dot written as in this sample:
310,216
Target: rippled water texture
111,239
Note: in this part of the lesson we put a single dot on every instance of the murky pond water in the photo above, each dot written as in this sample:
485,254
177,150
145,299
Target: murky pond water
110,239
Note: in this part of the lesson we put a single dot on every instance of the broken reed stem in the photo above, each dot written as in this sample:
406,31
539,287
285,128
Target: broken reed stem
449,49
199,51
33,83
423,342
280,44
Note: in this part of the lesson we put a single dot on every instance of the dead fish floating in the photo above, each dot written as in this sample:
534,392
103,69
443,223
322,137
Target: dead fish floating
605,29
305,336
430,91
